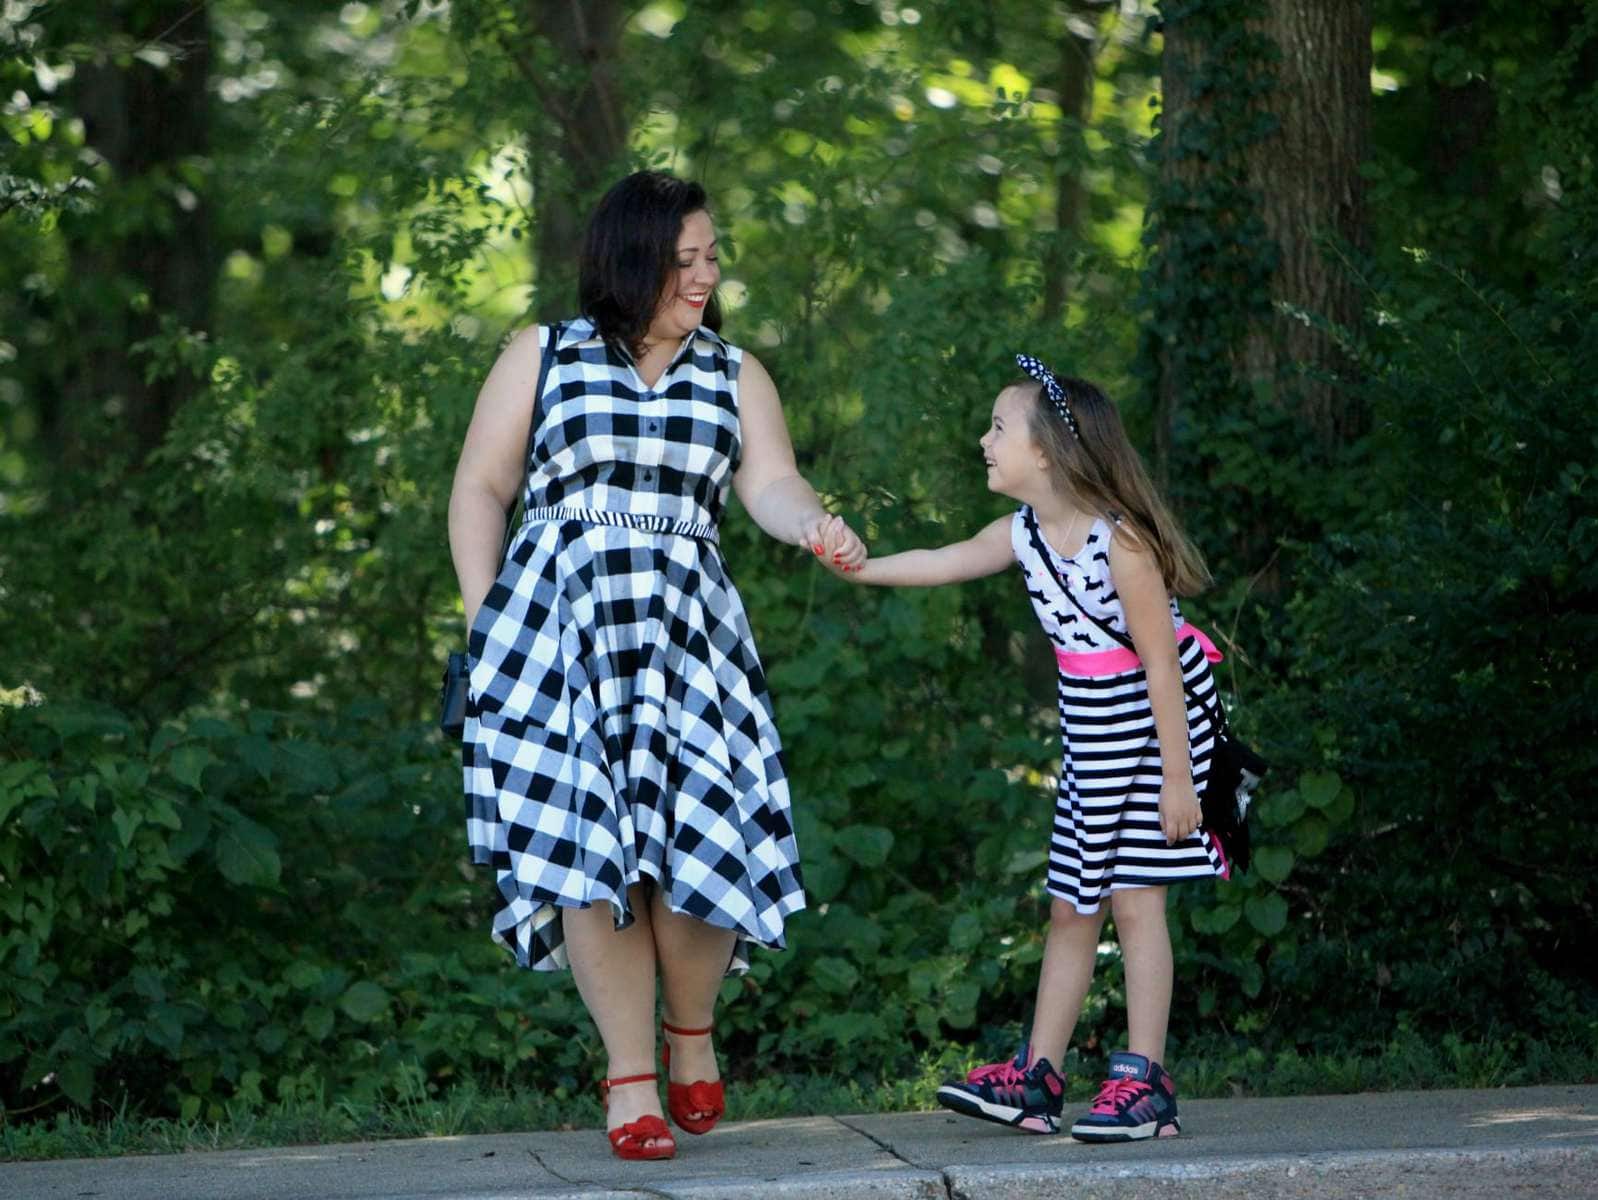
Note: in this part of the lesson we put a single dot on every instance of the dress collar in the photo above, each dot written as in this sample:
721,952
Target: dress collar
583,330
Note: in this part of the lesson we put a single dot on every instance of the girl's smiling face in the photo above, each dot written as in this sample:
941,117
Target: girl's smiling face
688,287
1017,466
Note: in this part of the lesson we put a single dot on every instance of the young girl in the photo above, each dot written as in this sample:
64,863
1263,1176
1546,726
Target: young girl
1101,556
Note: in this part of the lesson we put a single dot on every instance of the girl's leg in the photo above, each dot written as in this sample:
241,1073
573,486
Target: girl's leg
1146,953
1069,954
693,959
615,974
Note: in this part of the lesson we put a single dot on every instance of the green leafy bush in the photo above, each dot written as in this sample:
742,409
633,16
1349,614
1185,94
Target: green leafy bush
1438,653
243,882
257,909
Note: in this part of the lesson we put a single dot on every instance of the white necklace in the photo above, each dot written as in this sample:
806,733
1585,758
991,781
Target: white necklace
1065,540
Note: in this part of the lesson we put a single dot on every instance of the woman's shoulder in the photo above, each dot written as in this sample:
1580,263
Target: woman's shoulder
529,340
709,339
520,350
572,329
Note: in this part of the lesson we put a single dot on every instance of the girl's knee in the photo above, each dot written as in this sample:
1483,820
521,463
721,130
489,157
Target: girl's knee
1139,906
1063,916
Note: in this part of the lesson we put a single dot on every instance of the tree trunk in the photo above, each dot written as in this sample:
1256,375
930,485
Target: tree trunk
1184,159
1306,177
1263,129
146,256
1079,49
575,158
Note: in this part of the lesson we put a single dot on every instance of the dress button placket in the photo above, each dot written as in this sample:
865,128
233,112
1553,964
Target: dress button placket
652,448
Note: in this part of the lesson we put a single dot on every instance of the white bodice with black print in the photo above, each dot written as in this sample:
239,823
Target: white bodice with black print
1087,573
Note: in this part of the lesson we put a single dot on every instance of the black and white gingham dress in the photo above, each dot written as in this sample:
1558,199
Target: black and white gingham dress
619,728
1107,812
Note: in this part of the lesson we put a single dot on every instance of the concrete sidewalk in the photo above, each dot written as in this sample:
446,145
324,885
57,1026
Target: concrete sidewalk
1521,1142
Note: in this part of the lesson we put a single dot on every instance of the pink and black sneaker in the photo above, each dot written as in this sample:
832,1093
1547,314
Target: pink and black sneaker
1010,1093
1137,1101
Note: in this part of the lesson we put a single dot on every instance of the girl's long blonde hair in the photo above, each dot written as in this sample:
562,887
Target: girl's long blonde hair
1100,467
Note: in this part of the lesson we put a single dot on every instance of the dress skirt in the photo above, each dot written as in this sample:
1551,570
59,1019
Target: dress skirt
1107,814
620,731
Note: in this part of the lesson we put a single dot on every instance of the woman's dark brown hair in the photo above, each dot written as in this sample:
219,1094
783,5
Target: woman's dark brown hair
630,254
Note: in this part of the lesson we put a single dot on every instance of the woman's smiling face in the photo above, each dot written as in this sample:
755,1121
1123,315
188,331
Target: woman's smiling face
688,287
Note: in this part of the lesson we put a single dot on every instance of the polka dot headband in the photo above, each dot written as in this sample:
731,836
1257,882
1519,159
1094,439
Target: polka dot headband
1051,389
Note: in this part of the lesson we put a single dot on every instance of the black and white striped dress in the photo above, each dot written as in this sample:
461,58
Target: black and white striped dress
1107,814
618,726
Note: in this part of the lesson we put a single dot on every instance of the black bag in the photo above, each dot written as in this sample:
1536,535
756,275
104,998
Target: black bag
1235,770
452,691
452,695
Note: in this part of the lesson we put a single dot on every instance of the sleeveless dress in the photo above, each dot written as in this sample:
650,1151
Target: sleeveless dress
1107,812
618,725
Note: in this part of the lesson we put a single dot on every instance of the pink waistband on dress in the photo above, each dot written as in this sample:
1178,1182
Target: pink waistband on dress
1112,662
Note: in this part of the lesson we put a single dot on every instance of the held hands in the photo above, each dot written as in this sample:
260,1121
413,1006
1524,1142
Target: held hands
1179,810
832,541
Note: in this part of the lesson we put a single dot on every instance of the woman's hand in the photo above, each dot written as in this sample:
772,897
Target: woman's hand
833,542
1180,813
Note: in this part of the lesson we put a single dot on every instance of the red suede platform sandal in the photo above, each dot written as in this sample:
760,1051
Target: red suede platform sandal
696,1107
646,1138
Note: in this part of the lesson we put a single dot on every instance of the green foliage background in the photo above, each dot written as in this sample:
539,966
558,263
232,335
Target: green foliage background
231,863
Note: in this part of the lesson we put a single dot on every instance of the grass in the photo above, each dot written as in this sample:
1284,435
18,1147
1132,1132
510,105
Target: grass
1219,1070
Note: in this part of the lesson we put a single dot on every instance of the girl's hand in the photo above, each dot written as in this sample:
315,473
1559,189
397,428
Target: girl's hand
1179,811
844,550
837,546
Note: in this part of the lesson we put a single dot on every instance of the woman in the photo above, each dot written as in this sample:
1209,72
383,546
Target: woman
623,773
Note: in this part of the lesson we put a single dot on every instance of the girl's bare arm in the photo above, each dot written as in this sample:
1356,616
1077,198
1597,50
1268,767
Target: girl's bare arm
1147,605
987,553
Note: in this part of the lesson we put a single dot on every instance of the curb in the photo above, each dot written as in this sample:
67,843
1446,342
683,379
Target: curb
1534,1143
1530,1172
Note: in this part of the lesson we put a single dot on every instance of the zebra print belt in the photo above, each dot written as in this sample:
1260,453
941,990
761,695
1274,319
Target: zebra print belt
649,524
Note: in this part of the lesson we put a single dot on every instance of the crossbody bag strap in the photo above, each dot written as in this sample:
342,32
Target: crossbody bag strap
546,356
1216,715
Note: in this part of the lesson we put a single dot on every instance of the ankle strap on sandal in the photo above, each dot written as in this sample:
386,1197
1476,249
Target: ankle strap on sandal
681,1032
606,1084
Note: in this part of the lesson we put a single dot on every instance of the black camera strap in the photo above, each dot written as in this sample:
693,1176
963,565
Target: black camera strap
545,359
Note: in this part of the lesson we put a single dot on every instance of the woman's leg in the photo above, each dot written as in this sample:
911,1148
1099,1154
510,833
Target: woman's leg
615,974
1146,953
693,960
1069,954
